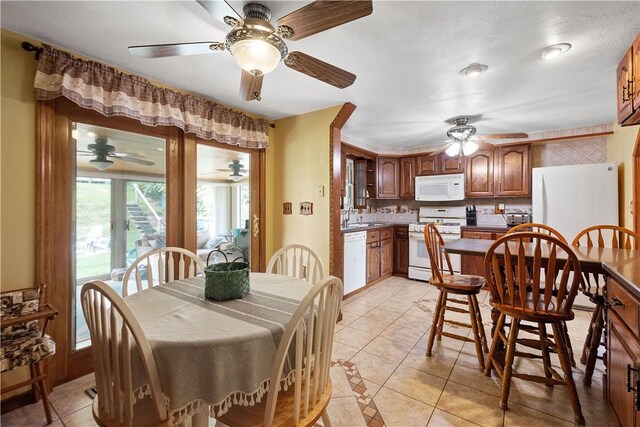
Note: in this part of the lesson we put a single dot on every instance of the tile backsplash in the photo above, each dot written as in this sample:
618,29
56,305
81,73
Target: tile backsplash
405,211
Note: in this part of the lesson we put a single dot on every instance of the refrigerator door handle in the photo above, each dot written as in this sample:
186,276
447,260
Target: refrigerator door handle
544,200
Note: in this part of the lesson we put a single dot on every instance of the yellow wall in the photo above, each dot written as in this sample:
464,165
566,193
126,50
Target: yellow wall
620,149
297,164
17,165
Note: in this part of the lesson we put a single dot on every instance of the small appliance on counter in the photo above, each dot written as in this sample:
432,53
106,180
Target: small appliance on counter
518,218
472,215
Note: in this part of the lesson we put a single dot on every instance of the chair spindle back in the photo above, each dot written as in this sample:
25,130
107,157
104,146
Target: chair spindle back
438,258
530,272
537,228
115,332
297,261
312,328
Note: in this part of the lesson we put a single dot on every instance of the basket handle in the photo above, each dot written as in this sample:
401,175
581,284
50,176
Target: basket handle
217,250
241,257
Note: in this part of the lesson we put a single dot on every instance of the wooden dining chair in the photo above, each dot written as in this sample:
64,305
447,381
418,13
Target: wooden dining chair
304,359
23,341
297,261
599,236
118,341
160,266
537,228
448,284
533,286
533,329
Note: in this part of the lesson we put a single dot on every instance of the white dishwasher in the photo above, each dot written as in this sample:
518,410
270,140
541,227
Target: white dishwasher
355,261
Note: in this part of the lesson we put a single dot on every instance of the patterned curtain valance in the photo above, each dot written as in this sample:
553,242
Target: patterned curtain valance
110,92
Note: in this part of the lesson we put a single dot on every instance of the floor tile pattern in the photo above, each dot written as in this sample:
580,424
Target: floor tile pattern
382,377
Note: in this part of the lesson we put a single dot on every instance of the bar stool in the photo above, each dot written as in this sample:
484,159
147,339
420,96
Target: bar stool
545,229
456,284
526,287
599,236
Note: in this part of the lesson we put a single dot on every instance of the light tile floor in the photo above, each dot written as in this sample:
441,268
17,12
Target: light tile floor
382,377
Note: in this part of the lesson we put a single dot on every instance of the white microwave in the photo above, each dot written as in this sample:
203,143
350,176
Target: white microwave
438,188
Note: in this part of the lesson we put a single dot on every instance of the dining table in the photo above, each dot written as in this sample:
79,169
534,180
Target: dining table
212,355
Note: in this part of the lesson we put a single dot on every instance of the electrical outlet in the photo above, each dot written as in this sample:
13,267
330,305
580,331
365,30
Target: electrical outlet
499,208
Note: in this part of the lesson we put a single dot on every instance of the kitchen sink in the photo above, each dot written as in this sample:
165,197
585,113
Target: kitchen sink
364,224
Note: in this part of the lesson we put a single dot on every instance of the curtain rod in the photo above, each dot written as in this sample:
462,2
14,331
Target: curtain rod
38,50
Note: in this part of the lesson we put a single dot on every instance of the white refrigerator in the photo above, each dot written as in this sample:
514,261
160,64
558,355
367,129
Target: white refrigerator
572,198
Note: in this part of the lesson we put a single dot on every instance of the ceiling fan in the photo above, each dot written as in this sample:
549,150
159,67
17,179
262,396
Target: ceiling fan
258,47
104,151
463,138
237,170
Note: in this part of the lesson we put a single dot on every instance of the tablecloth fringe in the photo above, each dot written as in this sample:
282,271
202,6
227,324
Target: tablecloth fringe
218,409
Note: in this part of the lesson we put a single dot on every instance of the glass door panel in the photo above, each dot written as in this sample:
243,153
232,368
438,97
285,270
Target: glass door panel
222,204
118,207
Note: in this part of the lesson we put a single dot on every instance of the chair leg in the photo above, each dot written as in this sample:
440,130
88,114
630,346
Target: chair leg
561,349
546,359
443,309
494,345
508,363
483,335
589,339
434,323
593,347
567,339
474,327
326,421
44,394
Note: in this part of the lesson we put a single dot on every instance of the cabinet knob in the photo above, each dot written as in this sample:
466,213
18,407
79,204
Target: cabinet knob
615,302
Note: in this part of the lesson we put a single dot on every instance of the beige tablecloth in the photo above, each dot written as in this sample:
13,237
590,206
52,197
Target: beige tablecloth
212,355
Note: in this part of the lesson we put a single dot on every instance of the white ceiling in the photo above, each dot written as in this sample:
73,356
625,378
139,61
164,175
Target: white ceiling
406,55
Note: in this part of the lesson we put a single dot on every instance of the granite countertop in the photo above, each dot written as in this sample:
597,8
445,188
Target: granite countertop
377,226
627,273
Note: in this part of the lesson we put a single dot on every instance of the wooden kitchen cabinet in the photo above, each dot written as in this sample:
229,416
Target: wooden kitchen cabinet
438,164
379,254
401,250
426,165
479,174
628,85
450,164
512,171
623,354
502,172
388,178
470,264
407,177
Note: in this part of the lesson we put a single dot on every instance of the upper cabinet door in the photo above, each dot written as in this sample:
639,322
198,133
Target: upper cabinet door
479,174
512,173
388,178
623,78
636,73
450,164
407,177
426,165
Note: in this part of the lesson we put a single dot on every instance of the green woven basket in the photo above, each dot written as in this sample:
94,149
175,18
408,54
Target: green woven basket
226,280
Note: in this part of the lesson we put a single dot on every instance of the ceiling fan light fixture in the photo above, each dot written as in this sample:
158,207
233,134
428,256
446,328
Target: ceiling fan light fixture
101,163
473,70
256,50
454,149
469,147
236,177
555,50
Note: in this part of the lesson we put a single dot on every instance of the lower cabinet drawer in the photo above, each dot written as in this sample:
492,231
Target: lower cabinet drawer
625,305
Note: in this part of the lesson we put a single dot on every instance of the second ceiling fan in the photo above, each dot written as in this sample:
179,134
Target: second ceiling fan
258,47
462,138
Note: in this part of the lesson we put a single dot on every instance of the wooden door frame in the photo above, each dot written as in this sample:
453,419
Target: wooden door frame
54,227
335,193
636,185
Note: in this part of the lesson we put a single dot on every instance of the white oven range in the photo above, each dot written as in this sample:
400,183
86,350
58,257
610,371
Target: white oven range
448,219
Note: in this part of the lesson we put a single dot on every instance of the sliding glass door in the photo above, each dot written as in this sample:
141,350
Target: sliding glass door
119,205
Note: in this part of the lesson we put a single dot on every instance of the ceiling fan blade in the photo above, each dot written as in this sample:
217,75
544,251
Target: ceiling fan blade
321,15
250,86
130,155
222,11
175,49
134,160
503,136
319,70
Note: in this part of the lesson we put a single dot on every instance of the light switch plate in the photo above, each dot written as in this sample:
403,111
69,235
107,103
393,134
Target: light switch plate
306,208
287,208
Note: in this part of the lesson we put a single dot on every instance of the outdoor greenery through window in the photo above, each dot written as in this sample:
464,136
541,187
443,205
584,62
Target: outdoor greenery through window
119,206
